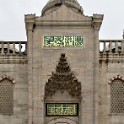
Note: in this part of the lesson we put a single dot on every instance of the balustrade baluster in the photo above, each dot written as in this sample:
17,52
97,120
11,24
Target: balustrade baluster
110,48
104,46
8,48
122,46
14,48
26,48
116,46
2,48
20,46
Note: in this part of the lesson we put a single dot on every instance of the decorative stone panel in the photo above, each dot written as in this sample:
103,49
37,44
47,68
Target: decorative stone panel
6,94
117,95
63,79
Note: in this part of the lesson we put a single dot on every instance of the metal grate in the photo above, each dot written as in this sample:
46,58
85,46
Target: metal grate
117,96
6,97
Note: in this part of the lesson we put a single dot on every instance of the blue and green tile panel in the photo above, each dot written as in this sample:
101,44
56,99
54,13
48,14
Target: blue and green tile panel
63,41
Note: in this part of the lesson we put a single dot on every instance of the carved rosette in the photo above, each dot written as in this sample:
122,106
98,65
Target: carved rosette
63,79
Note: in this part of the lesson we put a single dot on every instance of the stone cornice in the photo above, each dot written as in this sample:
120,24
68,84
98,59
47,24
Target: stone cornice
29,22
13,59
97,21
63,23
112,58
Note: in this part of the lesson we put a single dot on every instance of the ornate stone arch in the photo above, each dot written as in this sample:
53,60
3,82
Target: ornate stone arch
117,95
63,79
120,77
61,120
2,77
6,94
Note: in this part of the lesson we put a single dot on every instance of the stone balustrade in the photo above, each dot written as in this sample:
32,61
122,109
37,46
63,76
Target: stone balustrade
111,46
20,47
13,48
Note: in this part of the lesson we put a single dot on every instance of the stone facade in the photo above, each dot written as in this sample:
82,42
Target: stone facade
78,74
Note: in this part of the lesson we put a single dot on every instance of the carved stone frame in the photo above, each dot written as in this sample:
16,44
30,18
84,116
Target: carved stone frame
120,77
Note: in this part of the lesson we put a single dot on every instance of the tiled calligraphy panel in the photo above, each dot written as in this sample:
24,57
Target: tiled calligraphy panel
63,41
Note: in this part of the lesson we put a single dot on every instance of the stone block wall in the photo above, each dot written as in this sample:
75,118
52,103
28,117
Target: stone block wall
107,72
19,73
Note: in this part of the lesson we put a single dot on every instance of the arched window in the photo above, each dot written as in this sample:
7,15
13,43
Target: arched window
6,96
117,96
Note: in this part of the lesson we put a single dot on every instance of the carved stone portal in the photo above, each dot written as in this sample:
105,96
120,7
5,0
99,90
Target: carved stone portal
63,79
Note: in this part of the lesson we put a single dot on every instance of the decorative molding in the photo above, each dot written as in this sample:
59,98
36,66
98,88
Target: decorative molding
111,57
63,79
2,77
97,21
117,77
13,59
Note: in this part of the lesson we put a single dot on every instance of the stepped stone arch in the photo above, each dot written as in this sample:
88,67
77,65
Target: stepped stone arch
61,121
63,79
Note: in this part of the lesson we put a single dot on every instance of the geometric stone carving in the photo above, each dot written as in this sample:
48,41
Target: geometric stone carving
63,79
117,96
6,96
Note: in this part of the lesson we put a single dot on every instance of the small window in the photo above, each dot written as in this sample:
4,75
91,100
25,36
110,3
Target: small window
6,97
117,96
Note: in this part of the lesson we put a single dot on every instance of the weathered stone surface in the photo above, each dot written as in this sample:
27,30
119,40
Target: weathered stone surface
93,71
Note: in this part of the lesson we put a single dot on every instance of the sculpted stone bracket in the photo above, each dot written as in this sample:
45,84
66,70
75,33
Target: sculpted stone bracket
63,79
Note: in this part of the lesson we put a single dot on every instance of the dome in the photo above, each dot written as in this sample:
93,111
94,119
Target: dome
53,5
75,1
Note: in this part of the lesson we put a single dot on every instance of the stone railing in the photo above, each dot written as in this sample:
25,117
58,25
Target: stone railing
111,46
111,51
13,48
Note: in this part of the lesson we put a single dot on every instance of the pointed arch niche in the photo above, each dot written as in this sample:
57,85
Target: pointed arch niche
63,87
117,95
6,94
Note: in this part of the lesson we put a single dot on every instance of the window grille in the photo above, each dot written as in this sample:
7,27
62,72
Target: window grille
117,96
6,97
